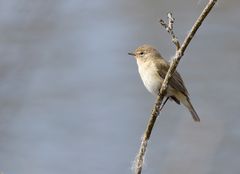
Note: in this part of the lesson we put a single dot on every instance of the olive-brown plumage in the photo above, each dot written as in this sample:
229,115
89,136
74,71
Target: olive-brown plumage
152,68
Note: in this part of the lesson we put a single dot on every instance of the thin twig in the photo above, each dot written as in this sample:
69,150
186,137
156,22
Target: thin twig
155,112
169,29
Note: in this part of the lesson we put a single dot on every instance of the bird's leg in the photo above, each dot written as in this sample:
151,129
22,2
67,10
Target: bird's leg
165,101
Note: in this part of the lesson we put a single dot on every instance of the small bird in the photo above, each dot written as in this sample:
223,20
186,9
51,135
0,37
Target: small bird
152,68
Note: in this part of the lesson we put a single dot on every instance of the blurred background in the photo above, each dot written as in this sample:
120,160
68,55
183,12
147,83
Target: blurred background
71,99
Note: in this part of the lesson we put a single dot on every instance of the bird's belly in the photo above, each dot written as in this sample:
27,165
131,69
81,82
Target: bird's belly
152,81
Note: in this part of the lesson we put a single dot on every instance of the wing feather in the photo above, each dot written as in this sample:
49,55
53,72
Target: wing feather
176,81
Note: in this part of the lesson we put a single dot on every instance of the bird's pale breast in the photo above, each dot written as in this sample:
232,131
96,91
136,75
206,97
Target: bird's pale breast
150,77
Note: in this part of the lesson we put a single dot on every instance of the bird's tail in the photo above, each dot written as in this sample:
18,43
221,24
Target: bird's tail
193,112
191,109
187,103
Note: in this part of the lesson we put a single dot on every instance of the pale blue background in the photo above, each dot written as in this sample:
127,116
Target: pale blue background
71,100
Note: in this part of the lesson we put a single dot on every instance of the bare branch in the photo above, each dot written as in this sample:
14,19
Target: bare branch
169,29
156,109
170,20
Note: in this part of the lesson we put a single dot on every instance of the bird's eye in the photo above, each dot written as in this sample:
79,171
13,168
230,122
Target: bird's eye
141,53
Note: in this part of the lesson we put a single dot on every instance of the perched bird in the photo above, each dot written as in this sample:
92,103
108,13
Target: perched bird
152,68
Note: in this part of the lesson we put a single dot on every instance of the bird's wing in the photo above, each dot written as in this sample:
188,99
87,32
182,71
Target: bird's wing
176,81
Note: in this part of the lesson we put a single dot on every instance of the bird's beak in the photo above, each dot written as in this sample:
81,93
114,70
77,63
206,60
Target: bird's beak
132,54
